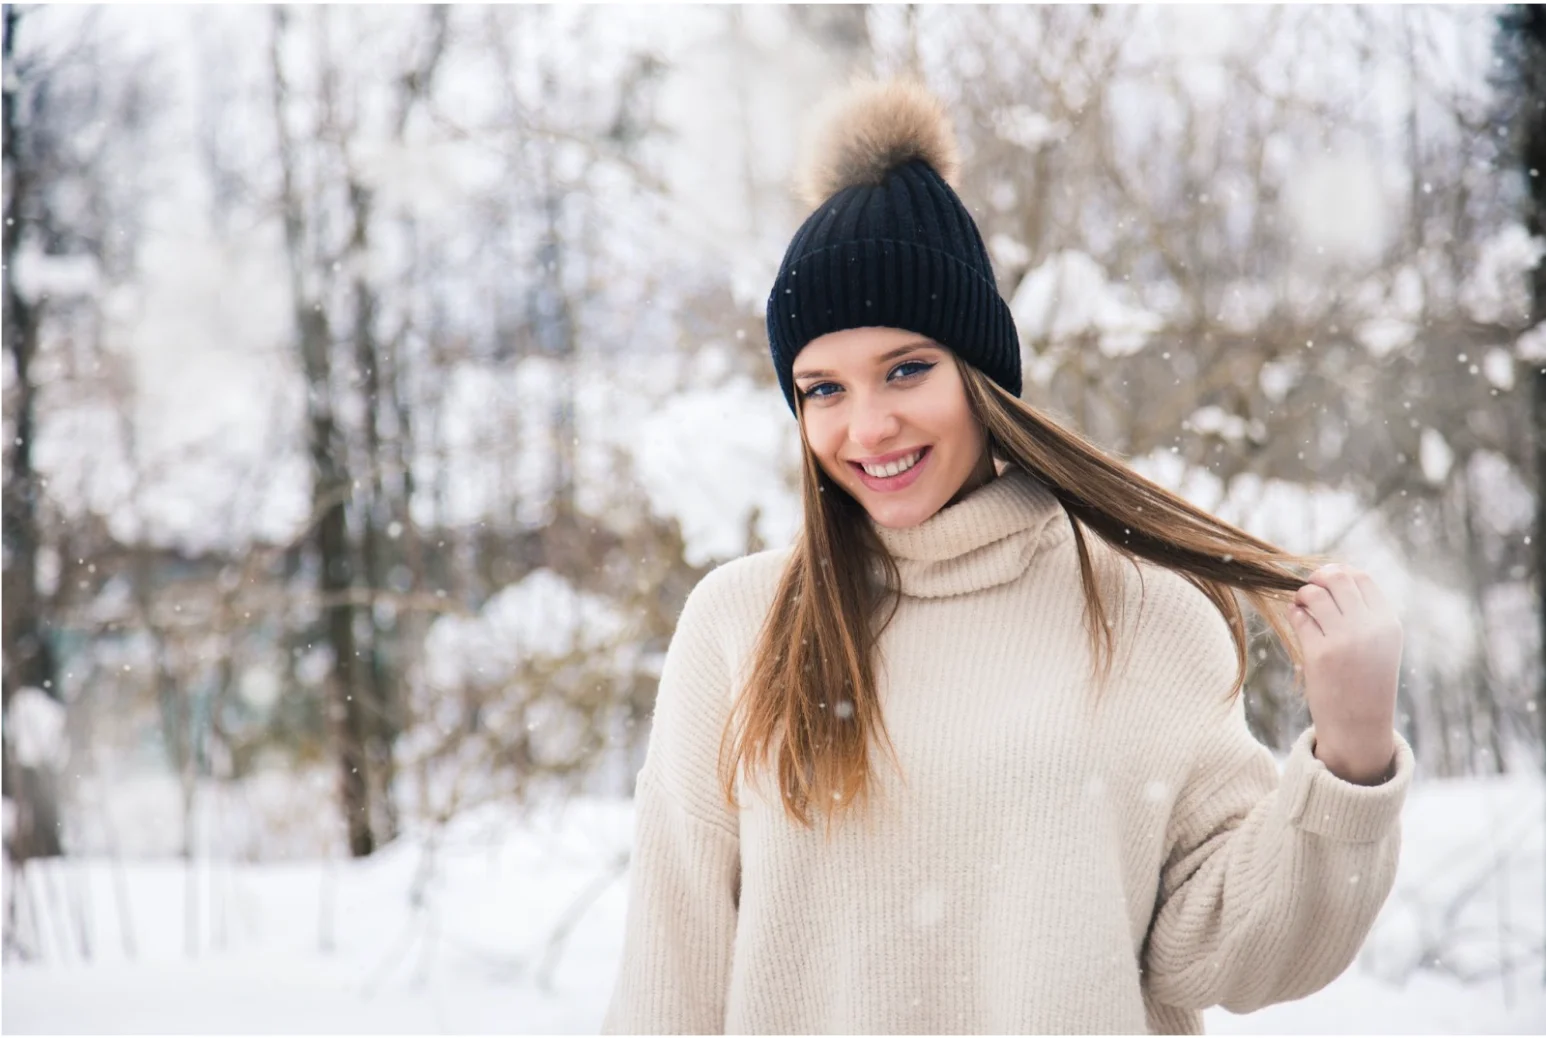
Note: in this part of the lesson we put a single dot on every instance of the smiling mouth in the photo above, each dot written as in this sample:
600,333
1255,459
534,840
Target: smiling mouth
894,475
893,468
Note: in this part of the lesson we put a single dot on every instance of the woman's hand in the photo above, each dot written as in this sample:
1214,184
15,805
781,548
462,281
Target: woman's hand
1351,641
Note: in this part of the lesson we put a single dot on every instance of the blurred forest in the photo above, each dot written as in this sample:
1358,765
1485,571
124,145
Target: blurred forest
378,381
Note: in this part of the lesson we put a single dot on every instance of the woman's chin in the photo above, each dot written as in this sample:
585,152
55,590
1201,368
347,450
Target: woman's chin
900,514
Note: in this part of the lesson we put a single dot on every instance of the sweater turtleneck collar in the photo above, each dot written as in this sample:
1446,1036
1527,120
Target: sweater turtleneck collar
987,538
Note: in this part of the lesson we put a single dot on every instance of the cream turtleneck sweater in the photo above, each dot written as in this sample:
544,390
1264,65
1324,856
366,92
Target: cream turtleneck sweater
1049,860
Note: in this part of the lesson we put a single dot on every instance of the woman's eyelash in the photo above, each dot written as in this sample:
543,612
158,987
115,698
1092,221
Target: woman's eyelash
923,364
924,367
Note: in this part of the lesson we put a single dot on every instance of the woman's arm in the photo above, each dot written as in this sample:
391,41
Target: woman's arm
685,874
1271,885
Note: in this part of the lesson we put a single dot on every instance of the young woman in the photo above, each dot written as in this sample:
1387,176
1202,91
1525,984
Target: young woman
971,756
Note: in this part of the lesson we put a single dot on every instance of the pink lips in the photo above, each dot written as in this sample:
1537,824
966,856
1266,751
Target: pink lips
901,481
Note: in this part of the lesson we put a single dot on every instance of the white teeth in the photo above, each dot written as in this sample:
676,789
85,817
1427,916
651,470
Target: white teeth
895,468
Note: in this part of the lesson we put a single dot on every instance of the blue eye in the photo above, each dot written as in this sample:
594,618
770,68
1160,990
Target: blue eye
911,369
906,370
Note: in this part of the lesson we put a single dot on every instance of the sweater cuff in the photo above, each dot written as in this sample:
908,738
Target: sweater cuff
1319,802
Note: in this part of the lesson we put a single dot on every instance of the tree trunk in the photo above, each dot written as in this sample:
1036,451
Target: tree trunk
1482,676
330,490
1522,37
28,661
381,713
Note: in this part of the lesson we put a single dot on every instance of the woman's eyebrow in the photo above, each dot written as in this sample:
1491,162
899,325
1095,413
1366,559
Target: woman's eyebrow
883,358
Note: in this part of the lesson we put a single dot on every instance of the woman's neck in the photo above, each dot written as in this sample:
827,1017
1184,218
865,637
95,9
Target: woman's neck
980,476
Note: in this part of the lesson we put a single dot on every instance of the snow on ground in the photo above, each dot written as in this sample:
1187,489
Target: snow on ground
470,954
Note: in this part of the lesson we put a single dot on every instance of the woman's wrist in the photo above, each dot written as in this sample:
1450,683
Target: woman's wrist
1367,761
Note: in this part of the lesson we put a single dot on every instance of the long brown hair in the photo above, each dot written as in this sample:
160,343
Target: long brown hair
810,708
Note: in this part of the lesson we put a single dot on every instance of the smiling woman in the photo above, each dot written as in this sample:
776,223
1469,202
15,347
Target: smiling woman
1070,834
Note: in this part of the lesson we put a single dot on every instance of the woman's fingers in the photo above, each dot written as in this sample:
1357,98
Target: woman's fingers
1319,604
1373,597
1304,622
1341,583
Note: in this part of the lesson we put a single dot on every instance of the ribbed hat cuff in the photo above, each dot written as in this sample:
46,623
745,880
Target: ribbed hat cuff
894,284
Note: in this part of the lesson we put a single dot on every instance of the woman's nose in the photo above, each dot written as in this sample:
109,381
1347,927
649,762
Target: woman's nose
872,424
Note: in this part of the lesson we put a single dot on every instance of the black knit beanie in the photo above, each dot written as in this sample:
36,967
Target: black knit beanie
889,243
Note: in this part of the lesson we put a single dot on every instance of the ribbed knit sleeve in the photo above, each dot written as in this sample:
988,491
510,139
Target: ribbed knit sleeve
1270,884
685,873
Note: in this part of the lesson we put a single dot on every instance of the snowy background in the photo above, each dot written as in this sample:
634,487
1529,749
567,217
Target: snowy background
513,924
379,381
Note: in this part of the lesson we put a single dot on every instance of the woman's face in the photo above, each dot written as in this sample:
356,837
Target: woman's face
886,415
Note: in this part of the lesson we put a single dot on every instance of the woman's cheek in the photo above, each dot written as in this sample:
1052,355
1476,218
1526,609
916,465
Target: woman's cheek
823,440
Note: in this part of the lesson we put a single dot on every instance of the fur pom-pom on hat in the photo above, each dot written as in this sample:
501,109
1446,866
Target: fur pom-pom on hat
869,130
